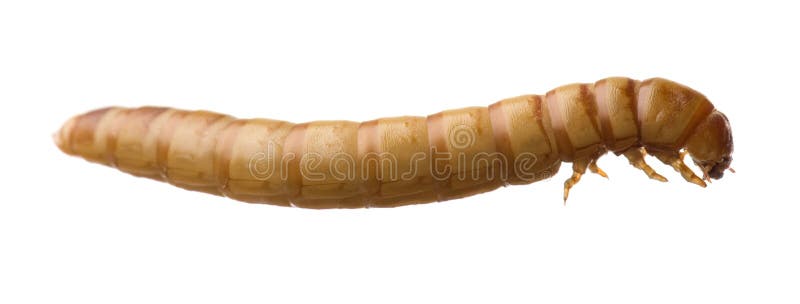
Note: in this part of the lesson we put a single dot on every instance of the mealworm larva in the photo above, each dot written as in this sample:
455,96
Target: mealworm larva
406,160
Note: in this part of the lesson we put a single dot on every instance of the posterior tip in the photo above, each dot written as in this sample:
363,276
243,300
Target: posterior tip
61,137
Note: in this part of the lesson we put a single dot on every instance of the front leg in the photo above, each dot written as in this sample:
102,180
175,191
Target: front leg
675,160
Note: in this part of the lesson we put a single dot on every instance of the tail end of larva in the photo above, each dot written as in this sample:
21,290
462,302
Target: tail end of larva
62,137
77,136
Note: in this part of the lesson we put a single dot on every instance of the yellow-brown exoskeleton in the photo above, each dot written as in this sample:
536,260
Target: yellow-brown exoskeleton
405,160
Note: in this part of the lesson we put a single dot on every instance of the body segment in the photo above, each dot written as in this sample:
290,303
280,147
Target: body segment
403,160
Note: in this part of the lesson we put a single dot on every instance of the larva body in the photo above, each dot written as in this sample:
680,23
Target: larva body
397,161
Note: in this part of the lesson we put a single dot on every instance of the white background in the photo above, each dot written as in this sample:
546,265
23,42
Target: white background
74,232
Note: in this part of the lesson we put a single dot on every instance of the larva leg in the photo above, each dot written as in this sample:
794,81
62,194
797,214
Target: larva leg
705,170
675,160
578,169
596,170
636,158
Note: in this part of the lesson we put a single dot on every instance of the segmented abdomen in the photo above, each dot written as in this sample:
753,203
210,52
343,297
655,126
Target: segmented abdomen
384,162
